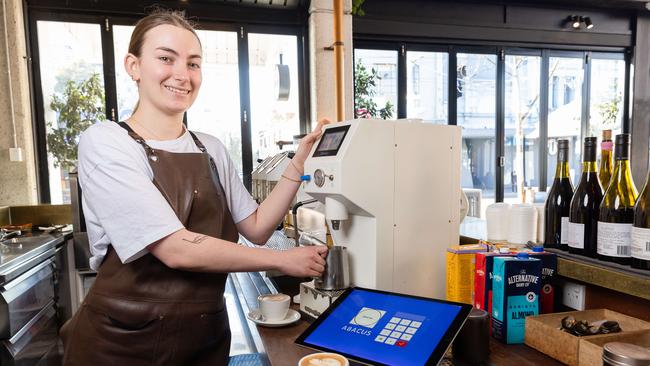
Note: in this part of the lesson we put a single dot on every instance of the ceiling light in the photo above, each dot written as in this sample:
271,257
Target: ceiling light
588,22
575,21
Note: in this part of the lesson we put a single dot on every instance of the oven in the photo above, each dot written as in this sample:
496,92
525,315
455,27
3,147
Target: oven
28,315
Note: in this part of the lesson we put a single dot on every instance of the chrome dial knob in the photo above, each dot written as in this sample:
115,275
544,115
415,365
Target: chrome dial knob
319,177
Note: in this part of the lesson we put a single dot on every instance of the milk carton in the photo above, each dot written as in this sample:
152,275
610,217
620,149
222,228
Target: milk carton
516,286
460,271
483,280
549,268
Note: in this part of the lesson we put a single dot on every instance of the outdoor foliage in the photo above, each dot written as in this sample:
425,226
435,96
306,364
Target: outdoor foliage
80,105
364,90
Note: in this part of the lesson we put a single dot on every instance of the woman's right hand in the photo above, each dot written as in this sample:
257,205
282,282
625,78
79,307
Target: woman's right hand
303,261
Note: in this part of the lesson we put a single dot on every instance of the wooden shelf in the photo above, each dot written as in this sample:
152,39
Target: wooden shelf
612,276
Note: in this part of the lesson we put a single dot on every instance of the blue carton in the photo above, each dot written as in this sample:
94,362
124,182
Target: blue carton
516,285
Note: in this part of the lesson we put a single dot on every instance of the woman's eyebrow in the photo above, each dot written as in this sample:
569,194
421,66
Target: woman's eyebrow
167,49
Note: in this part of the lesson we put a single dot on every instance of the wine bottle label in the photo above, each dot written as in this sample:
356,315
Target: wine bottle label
641,243
614,239
564,230
576,235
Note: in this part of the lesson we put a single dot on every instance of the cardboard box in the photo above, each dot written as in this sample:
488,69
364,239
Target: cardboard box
591,350
549,270
483,280
461,261
516,285
543,332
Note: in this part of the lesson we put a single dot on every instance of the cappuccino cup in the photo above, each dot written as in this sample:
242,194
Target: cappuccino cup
274,307
323,359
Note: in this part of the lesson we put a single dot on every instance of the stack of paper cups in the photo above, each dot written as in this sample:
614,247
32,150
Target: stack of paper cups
497,216
523,224
540,222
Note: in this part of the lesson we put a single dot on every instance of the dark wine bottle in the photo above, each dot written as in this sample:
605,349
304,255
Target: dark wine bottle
583,216
558,202
616,213
641,229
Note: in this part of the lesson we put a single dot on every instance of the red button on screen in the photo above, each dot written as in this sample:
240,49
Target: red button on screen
401,343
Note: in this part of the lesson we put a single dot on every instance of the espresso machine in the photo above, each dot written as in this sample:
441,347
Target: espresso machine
391,195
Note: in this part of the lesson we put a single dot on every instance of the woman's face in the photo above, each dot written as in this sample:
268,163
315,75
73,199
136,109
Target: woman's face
168,70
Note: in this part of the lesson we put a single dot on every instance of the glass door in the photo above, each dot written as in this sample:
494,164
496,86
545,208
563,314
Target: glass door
427,92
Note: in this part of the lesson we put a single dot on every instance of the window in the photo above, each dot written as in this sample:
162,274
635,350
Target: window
127,89
522,94
73,50
565,112
606,96
427,80
273,58
476,113
375,83
216,110
74,54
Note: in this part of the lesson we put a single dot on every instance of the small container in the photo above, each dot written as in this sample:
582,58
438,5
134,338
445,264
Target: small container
625,354
472,344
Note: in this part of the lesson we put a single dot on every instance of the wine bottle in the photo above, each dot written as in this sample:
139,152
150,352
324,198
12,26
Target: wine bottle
558,202
641,229
606,146
583,215
616,213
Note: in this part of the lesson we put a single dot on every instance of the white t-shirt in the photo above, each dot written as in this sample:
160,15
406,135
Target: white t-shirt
122,206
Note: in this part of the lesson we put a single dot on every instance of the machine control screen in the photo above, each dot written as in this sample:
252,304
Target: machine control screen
386,328
331,141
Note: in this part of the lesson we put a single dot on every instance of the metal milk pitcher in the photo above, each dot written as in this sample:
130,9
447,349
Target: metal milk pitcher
337,270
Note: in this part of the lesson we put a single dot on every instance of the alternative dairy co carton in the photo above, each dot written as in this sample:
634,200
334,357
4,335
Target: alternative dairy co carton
549,268
483,279
460,271
516,286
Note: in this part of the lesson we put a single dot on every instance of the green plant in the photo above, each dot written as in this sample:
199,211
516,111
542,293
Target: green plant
356,8
364,90
80,105
609,111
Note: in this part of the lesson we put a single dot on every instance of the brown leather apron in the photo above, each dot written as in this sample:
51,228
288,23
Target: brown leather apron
145,313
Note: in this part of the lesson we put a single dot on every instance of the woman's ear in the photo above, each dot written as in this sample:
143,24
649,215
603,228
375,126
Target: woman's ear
132,67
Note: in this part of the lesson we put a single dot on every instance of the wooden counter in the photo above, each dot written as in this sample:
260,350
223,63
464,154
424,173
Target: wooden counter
281,351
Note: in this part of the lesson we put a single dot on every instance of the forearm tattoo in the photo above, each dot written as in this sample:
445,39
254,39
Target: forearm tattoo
197,239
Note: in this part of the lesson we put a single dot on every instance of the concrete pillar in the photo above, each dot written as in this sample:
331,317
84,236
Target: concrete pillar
17,179
322,68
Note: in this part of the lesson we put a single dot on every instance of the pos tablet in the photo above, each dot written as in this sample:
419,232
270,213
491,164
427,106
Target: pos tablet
384,328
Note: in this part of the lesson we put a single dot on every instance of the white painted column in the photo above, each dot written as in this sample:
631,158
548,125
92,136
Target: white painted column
321,60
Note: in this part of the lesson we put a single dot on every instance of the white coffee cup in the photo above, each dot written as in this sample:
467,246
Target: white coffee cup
274,307
324,359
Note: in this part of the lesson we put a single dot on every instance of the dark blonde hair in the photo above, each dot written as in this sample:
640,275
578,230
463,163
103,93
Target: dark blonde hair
158,16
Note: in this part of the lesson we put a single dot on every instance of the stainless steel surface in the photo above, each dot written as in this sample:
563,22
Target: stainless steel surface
24,297
19,254
337,270
6,234
30,345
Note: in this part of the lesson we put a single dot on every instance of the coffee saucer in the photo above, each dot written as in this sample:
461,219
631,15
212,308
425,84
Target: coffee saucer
256,317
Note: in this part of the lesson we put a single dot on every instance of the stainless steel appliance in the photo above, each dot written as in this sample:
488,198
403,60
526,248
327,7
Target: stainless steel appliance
29,292
81,276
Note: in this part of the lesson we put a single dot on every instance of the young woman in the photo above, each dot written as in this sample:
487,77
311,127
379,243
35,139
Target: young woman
164,208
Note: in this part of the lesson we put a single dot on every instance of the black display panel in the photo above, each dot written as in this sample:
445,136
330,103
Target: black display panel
331,141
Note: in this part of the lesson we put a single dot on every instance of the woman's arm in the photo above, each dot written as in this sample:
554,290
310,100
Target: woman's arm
259,226
195,252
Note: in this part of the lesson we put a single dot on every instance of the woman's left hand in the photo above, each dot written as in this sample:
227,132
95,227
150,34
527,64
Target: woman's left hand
306,144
